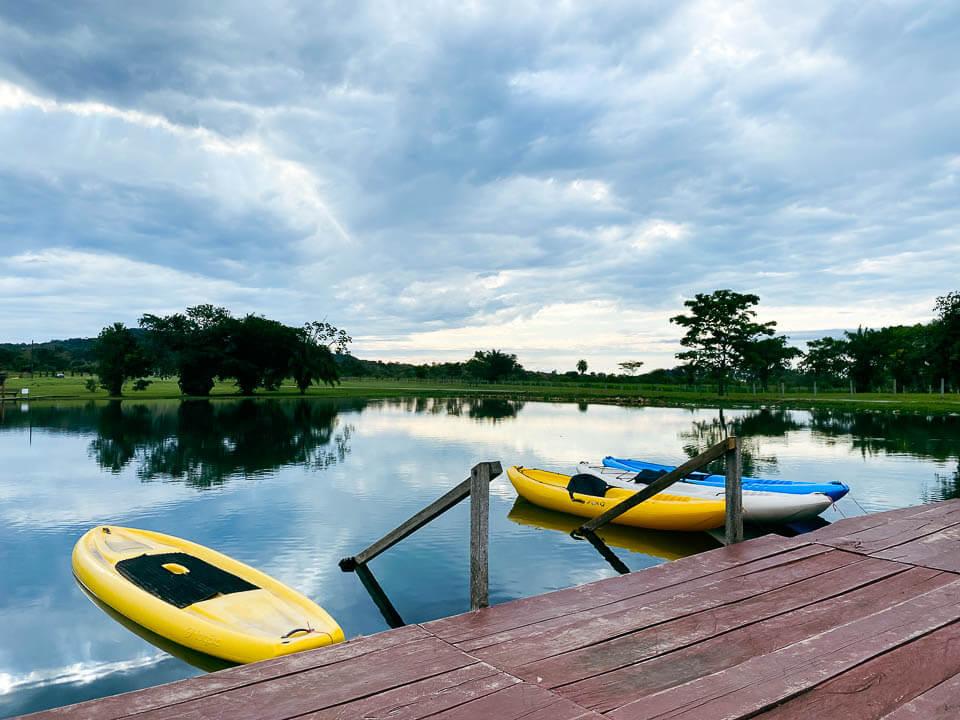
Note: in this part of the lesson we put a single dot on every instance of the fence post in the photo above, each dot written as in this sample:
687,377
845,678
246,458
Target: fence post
734,495
479,535
941,387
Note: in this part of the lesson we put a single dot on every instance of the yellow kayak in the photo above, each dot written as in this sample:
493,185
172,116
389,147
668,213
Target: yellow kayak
198,597
661,512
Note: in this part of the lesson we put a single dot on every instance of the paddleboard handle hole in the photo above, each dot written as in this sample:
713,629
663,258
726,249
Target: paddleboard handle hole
175,568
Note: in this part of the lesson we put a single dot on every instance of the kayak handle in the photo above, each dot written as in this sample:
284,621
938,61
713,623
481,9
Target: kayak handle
295,631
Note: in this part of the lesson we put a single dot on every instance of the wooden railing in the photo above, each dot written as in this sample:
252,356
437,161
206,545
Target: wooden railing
477,488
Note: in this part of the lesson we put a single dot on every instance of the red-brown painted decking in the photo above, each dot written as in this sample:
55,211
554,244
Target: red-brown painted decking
857,620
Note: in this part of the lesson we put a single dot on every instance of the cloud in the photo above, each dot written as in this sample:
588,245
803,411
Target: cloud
378,168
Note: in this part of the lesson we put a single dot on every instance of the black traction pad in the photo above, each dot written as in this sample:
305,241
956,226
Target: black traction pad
202,582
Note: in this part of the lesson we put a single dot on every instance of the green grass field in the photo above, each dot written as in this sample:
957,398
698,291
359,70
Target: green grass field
74,388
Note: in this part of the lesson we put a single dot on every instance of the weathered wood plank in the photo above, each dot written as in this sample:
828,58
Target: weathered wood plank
627,650
526,702
880,526
424,697
939,703
606,692
160,696
735,560
596,625
940,550
319,688
767,679
881,685
896,532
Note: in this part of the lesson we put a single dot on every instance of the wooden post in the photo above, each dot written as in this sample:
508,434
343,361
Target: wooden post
941,387
851,386
734,495
894,386
814,388
479,535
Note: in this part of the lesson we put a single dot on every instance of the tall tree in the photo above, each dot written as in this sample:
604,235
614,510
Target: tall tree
312,359
257,352
719,326
767,357
119,356
826,359
581,366
493,365
945,338
631,366
193,343
867,351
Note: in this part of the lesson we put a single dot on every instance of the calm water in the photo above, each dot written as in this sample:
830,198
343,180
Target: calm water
292,486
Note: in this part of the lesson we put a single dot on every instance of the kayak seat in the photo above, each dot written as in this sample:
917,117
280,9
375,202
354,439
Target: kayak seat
647,476
180,579
586,484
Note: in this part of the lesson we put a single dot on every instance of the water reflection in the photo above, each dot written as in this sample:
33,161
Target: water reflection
203,442
199,660
654,543
290,486
936,437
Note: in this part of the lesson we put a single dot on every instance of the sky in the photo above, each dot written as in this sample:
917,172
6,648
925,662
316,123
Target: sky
552,180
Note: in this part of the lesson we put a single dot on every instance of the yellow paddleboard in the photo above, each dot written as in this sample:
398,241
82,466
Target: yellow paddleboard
660,512
198,597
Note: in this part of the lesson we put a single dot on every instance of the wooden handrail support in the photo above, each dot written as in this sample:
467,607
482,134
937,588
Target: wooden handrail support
477,486
730,447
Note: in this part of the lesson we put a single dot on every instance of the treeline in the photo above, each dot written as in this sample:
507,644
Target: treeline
199,347
725,342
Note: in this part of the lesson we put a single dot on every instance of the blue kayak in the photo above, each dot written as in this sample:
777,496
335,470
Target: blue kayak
835,489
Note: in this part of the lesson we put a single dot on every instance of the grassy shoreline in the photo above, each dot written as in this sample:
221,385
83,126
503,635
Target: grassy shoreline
48,389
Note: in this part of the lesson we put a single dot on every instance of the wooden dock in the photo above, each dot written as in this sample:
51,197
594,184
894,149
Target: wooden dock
857,620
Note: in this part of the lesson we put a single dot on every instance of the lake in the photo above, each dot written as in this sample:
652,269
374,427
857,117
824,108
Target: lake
291,486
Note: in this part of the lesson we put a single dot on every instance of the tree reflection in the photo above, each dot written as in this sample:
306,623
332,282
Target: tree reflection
204,443
948,487
494,409
767,422
936,436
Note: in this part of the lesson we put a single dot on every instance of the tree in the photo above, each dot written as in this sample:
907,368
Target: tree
193,345
719,327
631,366
581,366
945,338
763,358
826,359
312,358
493,365
257,352
119,357
866,350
